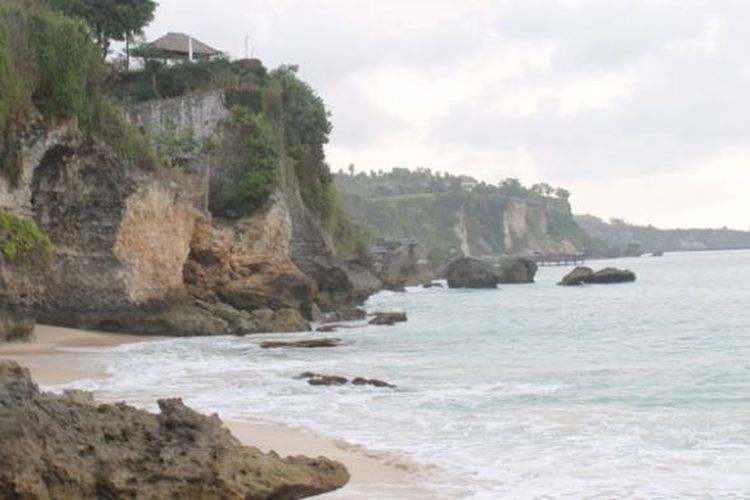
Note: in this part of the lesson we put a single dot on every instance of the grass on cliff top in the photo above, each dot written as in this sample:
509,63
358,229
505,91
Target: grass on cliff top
20,236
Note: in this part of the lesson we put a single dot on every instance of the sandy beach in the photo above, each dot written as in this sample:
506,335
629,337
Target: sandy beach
60,356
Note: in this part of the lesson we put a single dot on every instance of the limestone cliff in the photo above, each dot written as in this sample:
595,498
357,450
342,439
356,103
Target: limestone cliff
471,224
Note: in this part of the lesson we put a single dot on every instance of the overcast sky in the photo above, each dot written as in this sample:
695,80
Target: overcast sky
639,107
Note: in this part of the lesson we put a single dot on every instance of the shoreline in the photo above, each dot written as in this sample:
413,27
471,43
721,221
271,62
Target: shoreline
57,357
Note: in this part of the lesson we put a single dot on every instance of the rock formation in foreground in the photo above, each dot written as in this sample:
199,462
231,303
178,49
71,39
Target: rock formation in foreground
467,272
583,275
64,447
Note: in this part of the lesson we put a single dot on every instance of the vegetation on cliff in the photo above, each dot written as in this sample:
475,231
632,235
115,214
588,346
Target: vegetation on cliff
50,66
450,215
275,136
20,236
617,238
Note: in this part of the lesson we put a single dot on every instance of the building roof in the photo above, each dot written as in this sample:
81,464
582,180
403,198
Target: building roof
178,43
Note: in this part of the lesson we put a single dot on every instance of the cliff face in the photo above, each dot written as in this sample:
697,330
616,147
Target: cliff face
471,224
272,259
121,236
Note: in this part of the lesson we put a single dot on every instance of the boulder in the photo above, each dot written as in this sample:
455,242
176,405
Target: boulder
577,276
466,272
281,321
581,275
612,275
340,283
345,314
514,270
306,344
16,327
388,318
56,447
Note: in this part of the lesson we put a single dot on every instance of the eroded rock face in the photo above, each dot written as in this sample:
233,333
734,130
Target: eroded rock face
247,266
57,447
581,275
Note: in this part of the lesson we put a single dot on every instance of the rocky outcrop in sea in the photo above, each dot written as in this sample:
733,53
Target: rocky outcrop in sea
585,275
467,272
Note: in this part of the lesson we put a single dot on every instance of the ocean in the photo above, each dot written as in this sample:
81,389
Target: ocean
638,390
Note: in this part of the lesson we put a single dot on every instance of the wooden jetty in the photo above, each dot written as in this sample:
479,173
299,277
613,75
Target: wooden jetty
560,259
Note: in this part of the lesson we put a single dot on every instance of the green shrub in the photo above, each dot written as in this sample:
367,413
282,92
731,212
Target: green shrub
20,236
47,62
246,162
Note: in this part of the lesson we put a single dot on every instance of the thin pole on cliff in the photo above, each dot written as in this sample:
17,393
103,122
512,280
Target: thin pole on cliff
207,183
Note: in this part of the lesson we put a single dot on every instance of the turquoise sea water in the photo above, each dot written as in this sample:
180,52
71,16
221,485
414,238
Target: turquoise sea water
637,390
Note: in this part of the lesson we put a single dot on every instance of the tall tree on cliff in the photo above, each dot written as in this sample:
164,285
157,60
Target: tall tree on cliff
110,20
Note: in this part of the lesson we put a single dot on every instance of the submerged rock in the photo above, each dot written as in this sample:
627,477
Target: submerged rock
55,447
432,284
388,318
319,379
371,381
305,344
581,275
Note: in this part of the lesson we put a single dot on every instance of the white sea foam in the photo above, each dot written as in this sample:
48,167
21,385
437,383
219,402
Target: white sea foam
634,391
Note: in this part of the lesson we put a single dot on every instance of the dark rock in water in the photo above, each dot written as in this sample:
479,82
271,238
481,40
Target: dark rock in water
371,381
432,284
16,327
306,344
340,283
388,318
515,270
345,314
328,328
466,272
56,447
581,275
612,275
319,379
577,276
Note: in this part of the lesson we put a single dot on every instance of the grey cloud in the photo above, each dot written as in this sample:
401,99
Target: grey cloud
689,104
